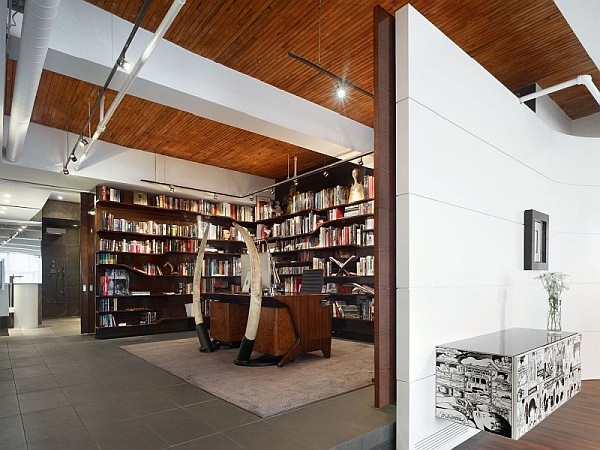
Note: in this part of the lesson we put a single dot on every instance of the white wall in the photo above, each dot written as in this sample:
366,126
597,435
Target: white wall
468,166
587,126
550,112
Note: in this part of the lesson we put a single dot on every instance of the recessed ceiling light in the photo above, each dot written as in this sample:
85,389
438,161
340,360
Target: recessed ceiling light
60,197
7,195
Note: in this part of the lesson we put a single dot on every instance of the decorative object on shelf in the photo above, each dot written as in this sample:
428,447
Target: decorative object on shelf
289,200
206,345
169,269
140,198
357,190
342,266
536,237
554,283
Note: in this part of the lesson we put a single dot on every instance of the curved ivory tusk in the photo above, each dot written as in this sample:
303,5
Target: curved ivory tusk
255,289
198,277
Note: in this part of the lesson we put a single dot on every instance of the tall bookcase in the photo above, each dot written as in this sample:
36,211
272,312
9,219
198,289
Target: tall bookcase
146,247
323,230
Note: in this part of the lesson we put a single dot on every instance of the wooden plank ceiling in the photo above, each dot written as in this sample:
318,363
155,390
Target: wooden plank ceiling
520,42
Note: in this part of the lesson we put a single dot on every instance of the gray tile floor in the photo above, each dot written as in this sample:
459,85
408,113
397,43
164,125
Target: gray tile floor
62,390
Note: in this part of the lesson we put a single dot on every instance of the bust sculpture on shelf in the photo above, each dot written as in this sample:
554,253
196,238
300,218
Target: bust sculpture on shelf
357,190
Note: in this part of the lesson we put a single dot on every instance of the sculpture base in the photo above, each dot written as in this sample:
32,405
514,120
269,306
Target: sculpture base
261,361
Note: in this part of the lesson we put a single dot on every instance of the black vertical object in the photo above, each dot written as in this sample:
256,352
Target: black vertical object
536,239
526,91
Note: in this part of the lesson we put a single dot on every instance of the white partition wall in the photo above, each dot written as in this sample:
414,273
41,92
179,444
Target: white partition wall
470,160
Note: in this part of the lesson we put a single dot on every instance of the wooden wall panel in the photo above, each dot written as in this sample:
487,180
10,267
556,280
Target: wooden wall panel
87,261
385,208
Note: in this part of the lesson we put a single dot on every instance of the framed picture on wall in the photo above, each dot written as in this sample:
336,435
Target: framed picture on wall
536,237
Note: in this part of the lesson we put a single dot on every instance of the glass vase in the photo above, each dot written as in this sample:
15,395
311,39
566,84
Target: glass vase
554,324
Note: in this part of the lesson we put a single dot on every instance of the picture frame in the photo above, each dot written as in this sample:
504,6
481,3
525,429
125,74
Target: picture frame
140,198
536,240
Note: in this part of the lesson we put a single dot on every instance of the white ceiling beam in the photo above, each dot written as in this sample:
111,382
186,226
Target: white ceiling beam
82,47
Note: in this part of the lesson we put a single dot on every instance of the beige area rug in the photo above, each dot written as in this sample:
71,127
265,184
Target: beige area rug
264,391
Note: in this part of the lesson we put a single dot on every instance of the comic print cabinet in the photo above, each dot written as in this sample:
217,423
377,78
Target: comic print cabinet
507,382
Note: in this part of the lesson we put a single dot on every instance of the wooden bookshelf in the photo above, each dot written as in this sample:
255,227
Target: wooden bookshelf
147,244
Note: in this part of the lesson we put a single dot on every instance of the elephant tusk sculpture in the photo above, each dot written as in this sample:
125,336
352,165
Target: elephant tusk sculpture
206,344
247,345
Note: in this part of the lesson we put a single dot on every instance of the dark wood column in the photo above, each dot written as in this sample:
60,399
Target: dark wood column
87,261
385,208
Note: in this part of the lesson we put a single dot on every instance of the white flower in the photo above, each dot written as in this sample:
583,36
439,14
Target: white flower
554,283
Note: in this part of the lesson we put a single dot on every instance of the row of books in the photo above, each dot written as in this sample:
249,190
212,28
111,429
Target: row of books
184,288
348,235
220,232
106,320
364,309
236,212
226,267
111,223
149,246
290,227
220,285
325,198
365,266
107,258
359,209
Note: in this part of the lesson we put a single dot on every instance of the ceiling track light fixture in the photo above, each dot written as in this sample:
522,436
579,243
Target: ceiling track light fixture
162,28
270,188
100,96
72,157
342,82
171,188
124,64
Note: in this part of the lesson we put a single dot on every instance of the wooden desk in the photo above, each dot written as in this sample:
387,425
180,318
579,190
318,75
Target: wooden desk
289,324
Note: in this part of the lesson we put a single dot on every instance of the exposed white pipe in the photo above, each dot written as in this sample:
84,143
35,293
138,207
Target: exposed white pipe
159,33
38,20
586,80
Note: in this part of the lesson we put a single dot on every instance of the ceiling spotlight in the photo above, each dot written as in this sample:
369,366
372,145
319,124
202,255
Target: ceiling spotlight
82,143
296,182
216,196
272,190
2,211
59,197
124,64
20,228
171,188
65,170
6,195
252,198
360,161
340,91
92,212
325,173
72,157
